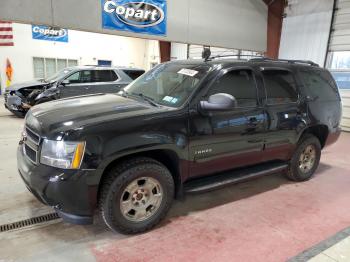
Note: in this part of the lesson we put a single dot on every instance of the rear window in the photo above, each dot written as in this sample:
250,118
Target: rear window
319,84
133,74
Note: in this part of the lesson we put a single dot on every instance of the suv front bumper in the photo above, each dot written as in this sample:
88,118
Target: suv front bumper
69,192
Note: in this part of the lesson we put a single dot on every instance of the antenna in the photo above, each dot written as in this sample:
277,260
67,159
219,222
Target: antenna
206,53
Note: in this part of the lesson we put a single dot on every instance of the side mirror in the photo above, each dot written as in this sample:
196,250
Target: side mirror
219,102
65,82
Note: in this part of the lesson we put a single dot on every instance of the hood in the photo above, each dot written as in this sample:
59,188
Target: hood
20,85
56,117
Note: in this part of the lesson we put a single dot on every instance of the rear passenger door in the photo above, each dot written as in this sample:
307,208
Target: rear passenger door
285,113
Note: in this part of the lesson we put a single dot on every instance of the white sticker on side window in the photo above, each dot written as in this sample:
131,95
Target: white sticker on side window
188,72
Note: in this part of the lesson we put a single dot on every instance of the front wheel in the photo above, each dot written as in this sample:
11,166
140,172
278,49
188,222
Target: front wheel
136,195
305,160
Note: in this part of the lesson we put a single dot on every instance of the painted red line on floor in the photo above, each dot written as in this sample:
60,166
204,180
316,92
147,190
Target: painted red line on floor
273,225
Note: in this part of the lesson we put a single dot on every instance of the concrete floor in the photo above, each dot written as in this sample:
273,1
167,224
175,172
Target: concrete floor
269,219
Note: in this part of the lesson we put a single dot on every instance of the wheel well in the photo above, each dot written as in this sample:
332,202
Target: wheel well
320,131
167,157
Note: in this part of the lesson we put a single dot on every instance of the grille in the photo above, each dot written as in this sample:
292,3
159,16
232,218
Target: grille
33,136
31,145
29,222
31,153
5,97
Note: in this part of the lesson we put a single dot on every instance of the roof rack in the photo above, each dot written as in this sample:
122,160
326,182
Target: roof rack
262,59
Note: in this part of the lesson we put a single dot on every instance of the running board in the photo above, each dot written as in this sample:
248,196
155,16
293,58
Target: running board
206,184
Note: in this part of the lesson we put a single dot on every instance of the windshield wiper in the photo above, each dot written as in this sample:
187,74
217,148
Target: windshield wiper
145,98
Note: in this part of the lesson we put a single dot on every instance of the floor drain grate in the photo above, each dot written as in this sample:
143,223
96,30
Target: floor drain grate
29,222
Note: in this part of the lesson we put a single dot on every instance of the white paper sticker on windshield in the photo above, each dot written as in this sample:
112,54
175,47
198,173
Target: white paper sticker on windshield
170,99
188,72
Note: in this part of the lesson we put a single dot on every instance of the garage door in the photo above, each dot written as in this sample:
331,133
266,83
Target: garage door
346,109
340,39
338,46
342,77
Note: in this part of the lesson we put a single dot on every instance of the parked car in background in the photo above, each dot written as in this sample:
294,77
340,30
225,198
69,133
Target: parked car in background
69,82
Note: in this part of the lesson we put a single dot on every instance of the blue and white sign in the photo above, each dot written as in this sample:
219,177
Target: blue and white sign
48,33
137,16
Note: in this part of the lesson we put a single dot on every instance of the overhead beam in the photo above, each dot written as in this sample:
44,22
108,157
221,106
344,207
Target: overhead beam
274,26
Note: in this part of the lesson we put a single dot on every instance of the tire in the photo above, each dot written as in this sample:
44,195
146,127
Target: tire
155,201
297,170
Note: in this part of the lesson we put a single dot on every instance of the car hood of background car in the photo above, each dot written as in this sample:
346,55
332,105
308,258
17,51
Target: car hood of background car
20,85
56,117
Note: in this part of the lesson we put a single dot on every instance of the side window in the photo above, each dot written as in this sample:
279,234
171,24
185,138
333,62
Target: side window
104,76
319,83
74,78
280,86
238,83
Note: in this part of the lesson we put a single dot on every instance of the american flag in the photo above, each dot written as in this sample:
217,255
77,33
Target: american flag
6,34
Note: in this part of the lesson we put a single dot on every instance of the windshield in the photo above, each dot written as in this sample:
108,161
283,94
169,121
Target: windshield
58,75
168,84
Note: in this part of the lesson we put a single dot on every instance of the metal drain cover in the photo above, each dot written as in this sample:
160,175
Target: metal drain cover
29,222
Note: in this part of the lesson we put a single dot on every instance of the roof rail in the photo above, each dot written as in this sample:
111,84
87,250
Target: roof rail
238,56
307,62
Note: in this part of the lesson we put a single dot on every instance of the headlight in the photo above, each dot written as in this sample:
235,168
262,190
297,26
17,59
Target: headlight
62,154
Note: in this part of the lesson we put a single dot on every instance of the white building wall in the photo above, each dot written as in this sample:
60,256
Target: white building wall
85,47
178,51
306,30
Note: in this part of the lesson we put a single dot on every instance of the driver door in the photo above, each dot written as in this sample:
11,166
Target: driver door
223,140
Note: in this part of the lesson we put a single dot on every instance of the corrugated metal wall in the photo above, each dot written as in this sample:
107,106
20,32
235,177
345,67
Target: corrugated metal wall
340,39
345,94
305,30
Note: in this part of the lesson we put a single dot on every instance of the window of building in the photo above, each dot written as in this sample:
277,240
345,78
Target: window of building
133,74
238,83
339,60
280,86
46,67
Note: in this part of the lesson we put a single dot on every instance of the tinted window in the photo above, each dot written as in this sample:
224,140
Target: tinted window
133,74
319,83
103,76
238,83
280,86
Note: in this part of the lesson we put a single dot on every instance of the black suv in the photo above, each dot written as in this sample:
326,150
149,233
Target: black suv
68,82
183,127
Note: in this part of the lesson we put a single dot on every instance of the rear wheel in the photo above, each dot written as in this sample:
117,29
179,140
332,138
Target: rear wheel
136,195
305,159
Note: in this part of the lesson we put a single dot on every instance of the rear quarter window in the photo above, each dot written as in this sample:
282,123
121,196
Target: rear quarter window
133,74
319,84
